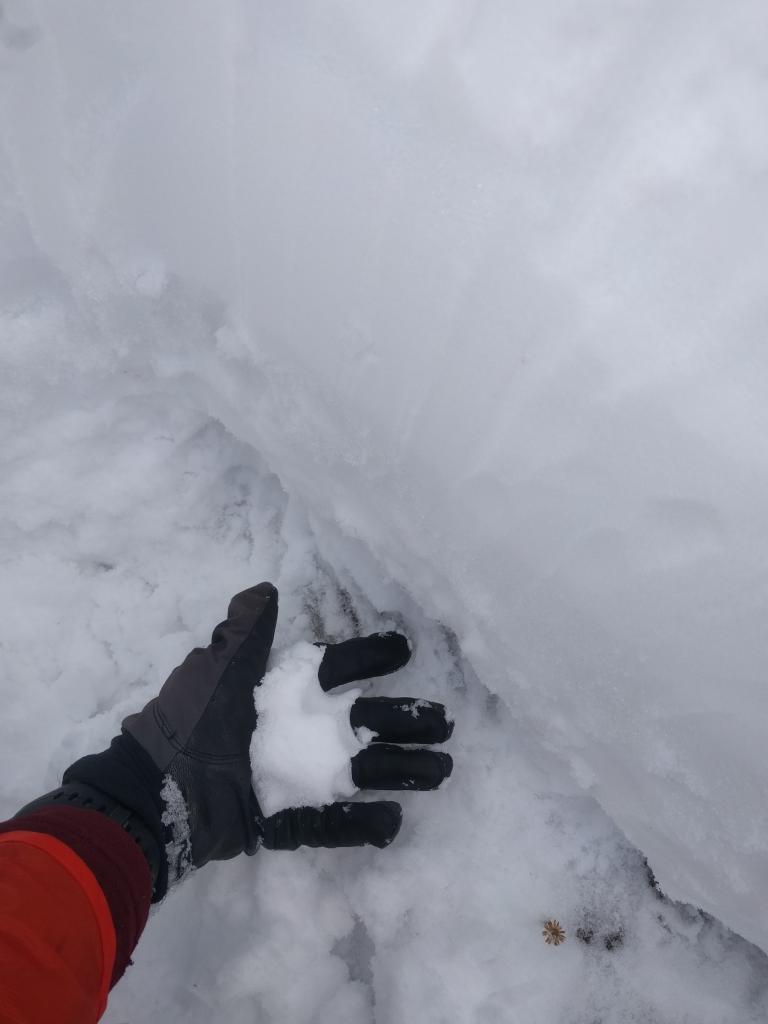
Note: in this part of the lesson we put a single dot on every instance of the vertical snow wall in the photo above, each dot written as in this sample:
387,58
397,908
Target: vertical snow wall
486,286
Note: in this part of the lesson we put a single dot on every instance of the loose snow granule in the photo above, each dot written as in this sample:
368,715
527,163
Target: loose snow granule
176,817
365,735
301,749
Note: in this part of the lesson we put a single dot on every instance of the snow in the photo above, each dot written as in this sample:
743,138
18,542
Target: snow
175,817
445,317
303,743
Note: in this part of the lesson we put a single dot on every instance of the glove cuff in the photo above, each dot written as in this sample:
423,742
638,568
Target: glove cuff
81,795
127,776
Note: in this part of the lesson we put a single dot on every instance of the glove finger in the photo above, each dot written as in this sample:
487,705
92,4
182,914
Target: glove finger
243,641
363,657
402,719
385,766
355,824
206,704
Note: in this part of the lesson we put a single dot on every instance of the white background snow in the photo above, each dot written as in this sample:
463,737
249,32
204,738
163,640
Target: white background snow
450,316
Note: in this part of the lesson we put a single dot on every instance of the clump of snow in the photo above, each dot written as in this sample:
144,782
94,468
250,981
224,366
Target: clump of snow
303,741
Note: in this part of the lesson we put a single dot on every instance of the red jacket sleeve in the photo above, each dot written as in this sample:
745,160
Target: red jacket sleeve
57,940
74,898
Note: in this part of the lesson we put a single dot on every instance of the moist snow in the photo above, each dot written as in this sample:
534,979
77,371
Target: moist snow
303,743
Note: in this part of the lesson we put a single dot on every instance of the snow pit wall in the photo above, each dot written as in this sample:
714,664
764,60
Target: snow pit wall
484,284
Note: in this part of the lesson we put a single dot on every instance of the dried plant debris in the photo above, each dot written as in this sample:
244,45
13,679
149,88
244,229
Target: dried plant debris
609,937
553,933
614,939
652,881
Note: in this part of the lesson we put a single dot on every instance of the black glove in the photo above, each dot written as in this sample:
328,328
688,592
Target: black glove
178,778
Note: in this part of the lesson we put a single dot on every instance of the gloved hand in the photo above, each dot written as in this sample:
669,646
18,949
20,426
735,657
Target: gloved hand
178,778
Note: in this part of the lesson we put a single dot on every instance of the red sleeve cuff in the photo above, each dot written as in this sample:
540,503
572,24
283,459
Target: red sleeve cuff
113,858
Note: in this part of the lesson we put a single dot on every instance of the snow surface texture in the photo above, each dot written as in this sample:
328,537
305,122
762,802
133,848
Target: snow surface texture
484,284
302,748
129,519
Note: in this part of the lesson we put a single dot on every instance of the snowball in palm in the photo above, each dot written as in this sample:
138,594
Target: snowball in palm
301,750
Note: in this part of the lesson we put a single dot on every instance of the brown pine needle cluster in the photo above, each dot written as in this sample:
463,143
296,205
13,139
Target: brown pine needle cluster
553,933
